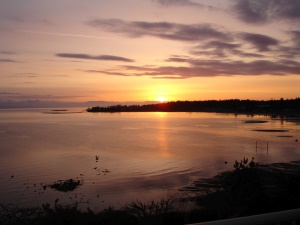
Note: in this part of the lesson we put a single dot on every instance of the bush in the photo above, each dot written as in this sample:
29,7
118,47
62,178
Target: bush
250,189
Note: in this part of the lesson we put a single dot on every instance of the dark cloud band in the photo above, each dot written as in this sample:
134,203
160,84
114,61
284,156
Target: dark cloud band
99,57
9,61
209,68
259,11
163,30
261,42
177,3
7,53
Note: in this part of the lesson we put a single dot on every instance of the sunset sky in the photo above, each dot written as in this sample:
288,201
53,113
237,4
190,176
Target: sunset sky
147,50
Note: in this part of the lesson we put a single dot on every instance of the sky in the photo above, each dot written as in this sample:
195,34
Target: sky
148,50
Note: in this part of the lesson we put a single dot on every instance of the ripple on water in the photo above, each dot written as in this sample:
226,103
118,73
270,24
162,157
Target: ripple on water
270,130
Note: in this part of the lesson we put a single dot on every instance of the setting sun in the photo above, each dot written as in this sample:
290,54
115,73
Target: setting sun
161,99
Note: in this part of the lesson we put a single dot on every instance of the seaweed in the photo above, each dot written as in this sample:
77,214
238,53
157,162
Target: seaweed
66,185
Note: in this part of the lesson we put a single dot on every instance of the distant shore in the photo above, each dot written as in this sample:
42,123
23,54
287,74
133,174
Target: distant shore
275,108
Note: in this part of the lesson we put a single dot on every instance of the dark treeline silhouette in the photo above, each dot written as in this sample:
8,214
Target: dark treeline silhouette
280,107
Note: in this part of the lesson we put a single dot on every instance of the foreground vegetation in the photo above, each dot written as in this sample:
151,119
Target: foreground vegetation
164,211
248,189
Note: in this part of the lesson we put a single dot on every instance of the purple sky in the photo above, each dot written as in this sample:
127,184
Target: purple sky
143,50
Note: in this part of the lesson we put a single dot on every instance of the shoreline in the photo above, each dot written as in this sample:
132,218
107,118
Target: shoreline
223,196
273,108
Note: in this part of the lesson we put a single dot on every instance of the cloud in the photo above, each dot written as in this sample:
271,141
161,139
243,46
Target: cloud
107,72
221,49
250,45
25,19
260,12
209,68
163,30
221,45
23,75
295,36
63,34
219,39
256,67
177,3
216,51
139,71
182,3
261,42
9,93
18,96
99,57
176,59
7,53
9,61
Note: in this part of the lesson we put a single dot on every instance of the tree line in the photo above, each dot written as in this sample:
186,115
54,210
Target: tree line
281,106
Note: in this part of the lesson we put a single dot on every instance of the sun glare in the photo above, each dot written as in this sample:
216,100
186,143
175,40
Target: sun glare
161,99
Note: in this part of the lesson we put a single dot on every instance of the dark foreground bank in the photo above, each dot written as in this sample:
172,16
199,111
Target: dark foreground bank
248,189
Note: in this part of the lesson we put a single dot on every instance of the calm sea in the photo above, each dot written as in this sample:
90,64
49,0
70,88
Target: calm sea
142,156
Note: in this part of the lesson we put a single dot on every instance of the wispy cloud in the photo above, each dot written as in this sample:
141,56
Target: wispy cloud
99,57
9,61
9,93
25,19
212,36
256,67
178,3
63,34
7,53
215,52
163,30
225,53
259,12
261,42
249,47
6,96
295,36
222,45
24,75
208,68
139,71
218,49
108,73
182,3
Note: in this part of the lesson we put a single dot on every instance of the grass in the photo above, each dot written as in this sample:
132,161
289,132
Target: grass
248,189
164,211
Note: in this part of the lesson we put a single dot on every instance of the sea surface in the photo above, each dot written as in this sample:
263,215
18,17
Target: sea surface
122,157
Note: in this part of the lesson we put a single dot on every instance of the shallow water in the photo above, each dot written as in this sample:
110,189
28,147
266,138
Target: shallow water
141,155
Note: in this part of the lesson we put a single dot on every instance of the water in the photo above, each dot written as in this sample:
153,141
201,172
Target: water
141,155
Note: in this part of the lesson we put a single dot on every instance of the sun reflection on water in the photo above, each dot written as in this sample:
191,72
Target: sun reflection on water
162,136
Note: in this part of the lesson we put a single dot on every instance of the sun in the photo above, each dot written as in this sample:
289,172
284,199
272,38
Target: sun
161,99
